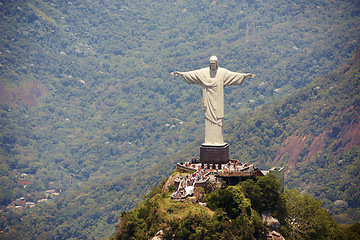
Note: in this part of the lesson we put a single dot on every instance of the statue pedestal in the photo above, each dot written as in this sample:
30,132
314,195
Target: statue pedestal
214,154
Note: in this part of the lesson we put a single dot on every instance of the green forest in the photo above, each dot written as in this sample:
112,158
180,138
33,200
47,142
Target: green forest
315,133
234,212
91,119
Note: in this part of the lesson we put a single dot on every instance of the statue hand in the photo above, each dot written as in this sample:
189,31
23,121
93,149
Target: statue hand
250,75
176,73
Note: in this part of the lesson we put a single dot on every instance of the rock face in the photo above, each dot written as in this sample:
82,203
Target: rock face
158,235
274,226
274,236
170,181
294,145
272,223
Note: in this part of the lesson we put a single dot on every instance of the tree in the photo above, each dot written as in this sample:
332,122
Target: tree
265,196
308,219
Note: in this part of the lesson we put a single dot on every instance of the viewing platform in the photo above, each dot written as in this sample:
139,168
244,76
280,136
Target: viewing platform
200,175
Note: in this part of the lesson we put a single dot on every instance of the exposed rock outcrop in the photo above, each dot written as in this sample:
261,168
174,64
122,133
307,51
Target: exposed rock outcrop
28,94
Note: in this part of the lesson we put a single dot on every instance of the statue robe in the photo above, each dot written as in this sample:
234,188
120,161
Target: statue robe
213,83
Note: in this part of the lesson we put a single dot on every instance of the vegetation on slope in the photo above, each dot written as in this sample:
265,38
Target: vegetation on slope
234,213
86,96
315,134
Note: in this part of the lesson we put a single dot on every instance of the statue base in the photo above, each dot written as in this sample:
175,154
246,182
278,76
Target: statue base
214,154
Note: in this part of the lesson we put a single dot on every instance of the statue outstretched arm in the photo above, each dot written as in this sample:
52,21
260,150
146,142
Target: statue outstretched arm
191,77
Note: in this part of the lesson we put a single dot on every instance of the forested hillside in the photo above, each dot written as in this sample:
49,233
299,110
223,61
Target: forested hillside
251,209
315,133
88,106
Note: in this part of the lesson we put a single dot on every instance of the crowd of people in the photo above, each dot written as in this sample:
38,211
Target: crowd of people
188,180
236,166
232,166
179,194
194,163
202,170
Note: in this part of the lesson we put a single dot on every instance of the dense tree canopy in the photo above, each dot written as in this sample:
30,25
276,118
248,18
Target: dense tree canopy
236,215
87,101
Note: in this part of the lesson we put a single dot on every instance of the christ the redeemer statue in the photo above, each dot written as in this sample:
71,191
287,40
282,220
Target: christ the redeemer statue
213,79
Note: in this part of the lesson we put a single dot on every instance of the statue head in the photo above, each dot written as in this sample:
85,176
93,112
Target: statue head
213,62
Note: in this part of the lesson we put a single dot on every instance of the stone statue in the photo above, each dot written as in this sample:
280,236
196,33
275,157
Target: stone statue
213,79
